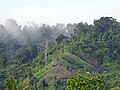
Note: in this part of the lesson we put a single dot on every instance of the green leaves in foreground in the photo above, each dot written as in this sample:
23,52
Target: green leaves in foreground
86,82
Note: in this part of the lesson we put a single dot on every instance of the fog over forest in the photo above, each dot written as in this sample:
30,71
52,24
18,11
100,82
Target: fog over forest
59,45
34,32
47,56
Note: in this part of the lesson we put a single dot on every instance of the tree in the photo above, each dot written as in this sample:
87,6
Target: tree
43,84
61,39
84,82
11,84
22,85
25,84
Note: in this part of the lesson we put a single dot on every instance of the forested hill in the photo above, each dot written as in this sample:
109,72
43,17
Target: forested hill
44,57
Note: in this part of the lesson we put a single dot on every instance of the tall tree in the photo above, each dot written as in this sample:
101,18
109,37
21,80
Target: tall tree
85,82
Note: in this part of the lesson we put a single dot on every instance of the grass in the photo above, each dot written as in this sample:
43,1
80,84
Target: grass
72,59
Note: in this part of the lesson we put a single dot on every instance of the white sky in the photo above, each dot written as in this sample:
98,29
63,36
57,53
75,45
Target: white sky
58,11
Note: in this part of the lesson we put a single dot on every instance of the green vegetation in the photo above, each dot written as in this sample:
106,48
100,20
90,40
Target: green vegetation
85,82
47,56
11,84
116,88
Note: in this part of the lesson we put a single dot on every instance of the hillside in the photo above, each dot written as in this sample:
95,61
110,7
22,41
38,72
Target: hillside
48,55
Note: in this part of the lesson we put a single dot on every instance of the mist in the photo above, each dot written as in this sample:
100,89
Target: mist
28,34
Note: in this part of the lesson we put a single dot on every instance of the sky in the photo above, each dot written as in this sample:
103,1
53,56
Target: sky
57,11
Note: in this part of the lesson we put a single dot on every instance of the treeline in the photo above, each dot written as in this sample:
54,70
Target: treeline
100,41
21,44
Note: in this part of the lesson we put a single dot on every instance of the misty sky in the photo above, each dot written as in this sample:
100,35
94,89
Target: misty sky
58,11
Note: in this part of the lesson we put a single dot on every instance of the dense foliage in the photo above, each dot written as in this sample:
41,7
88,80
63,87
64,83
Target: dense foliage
85,82
35,53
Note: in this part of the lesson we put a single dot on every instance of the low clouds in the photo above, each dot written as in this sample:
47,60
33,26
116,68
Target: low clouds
13,28
31,33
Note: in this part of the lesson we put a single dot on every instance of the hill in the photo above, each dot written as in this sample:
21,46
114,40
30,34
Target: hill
48,55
